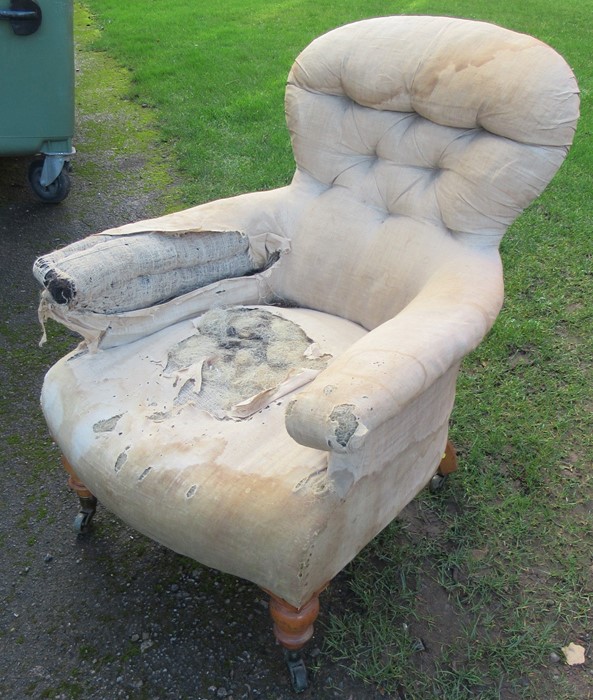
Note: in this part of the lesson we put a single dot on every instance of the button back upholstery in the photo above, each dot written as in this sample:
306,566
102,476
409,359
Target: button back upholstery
422,131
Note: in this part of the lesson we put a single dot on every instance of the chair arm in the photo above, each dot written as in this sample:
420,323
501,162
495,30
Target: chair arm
378,376
141,264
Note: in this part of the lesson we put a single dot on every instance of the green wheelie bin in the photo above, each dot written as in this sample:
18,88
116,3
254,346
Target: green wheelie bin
37,90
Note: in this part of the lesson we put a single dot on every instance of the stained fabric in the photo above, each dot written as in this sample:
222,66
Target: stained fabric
417,141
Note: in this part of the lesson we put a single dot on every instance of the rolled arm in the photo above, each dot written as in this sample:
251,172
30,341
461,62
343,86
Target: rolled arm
142,264
392,365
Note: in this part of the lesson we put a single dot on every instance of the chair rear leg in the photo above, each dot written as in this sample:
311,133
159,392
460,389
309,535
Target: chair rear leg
448,465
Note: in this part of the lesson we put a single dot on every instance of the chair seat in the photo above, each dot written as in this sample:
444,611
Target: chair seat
161,443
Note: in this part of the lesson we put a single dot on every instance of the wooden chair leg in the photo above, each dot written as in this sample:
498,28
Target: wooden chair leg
447,465
293,628
88,502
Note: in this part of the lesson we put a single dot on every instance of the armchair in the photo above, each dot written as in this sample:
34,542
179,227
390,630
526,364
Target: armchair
265,381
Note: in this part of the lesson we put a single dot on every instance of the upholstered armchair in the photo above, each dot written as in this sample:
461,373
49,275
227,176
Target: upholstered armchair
265,381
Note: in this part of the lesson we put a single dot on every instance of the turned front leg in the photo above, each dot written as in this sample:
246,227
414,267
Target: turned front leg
293,628
88,502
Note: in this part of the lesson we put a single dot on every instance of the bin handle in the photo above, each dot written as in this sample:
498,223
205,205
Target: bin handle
24,16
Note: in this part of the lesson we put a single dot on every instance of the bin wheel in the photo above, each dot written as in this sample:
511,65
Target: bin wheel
53,193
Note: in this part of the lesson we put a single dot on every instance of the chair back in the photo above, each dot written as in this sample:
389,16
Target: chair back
417,135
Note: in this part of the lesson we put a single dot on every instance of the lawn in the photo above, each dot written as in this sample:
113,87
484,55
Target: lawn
474,592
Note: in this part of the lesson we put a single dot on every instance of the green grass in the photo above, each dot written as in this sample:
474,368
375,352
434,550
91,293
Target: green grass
508,550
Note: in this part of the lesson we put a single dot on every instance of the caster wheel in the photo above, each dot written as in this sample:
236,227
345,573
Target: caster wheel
437,483
298,672
82,522
53,193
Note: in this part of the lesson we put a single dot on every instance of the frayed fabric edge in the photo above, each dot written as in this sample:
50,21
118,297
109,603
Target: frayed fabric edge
102,331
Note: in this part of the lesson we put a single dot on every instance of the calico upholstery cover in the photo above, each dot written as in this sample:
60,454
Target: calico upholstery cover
417,140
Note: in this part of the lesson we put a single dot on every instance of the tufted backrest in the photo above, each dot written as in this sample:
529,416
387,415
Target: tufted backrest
420,134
